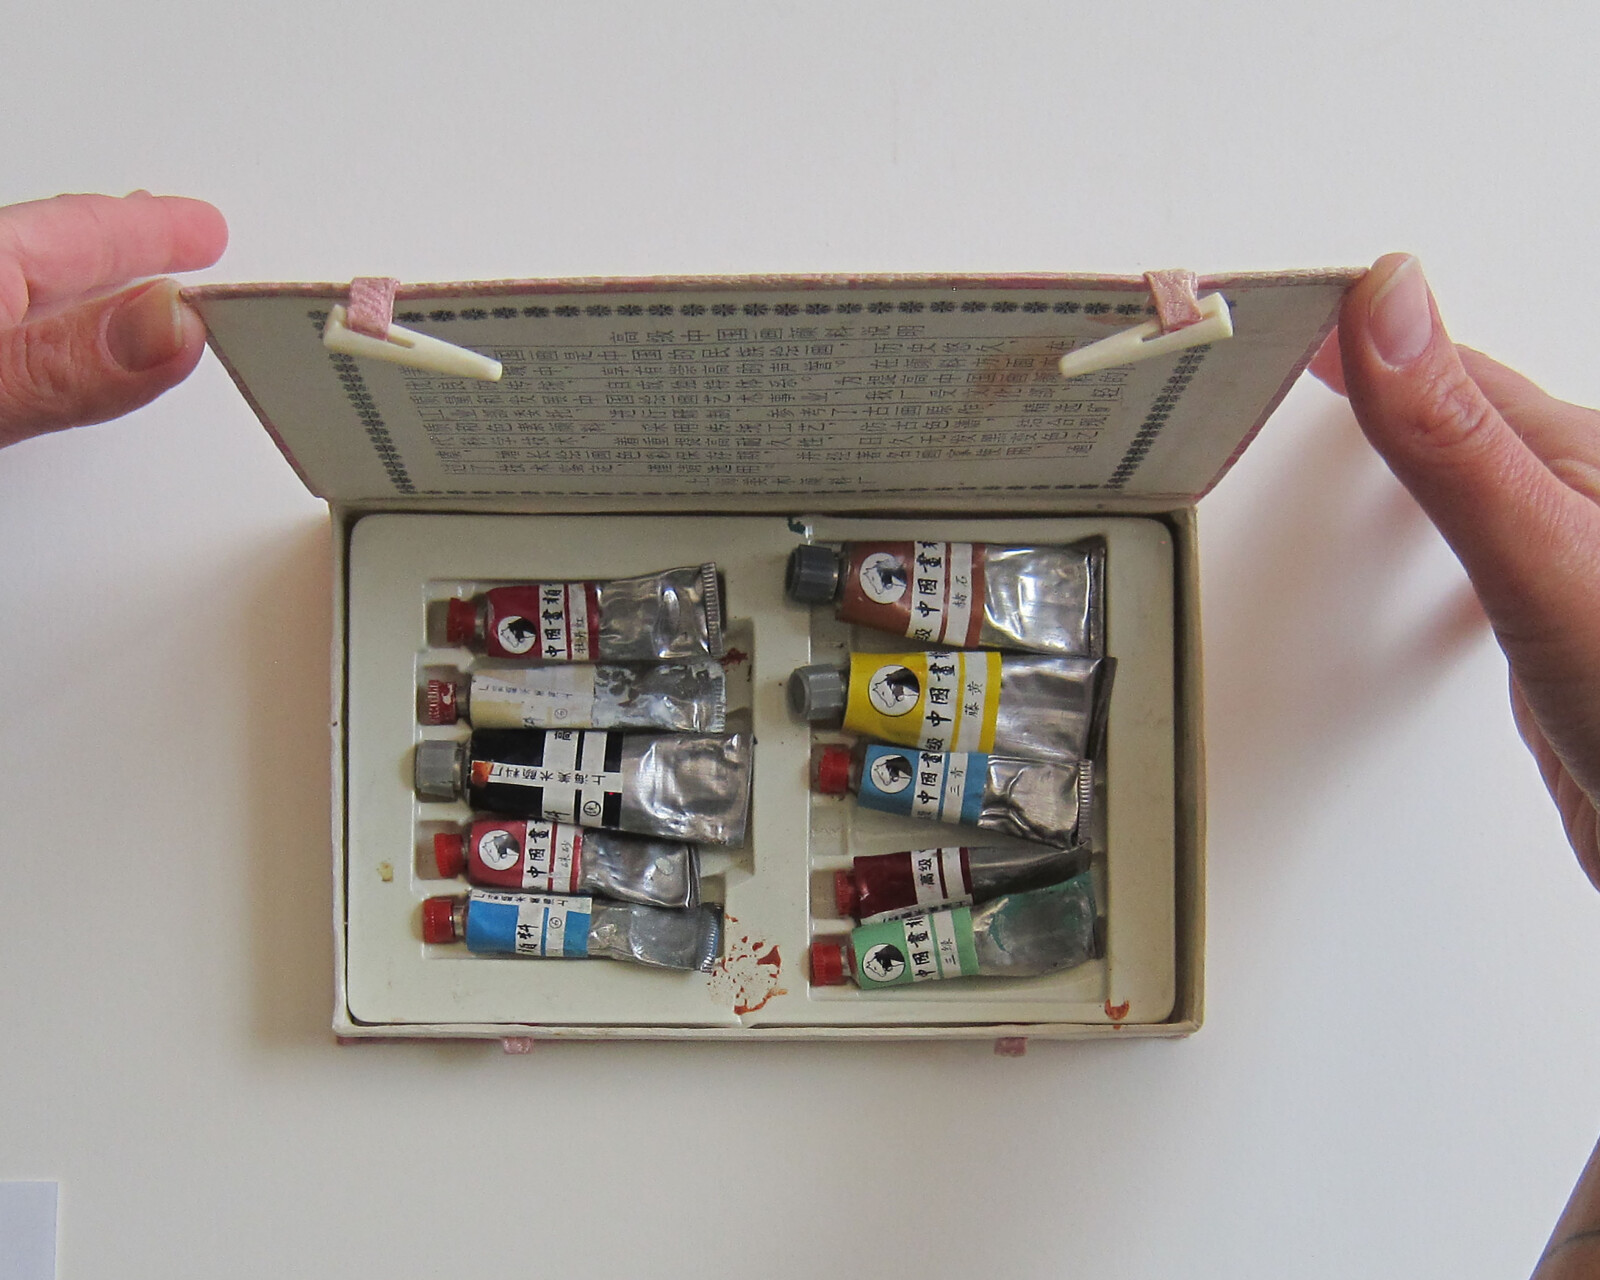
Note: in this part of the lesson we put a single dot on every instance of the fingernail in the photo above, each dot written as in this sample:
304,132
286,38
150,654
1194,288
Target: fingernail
1400,315
139,191
147,329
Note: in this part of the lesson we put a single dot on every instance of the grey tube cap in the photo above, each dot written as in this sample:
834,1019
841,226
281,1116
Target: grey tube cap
813,574
436,770
817,694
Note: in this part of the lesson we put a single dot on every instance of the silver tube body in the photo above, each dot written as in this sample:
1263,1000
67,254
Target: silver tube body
674,614
691,787
661,873
1034,800
649,935
1050,708
1045,599
1024,934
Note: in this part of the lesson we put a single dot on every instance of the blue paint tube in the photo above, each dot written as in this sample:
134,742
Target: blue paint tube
576,928
1030,799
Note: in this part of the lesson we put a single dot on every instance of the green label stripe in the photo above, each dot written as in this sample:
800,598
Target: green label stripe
919,948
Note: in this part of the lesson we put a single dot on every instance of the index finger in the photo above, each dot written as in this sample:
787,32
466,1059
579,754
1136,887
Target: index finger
57,251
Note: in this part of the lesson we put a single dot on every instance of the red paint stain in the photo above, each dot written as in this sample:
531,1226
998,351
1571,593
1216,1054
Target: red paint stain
1117,1012
733,658
747,974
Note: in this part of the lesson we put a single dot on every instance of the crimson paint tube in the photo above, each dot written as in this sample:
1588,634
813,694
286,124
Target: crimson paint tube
967,595
556,857
678,786
1018,935
884,884
561,928
673,614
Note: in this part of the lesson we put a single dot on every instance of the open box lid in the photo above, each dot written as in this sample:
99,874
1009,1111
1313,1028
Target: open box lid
770,392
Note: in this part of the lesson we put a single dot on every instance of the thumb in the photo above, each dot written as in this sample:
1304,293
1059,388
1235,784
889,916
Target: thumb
1529,542
97,361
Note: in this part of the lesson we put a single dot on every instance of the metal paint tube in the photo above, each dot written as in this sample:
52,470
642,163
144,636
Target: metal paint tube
963,594
1032,799
952,700
674,614
555,857
527,924
684,697
678,786
1019,935
884,884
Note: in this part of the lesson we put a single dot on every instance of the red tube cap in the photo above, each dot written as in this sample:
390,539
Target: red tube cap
833,770
439,703
845,896
827,963
439,919
460,621
450,854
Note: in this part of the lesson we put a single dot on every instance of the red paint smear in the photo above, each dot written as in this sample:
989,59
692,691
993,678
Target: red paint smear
733,657
1117,1012
742,1001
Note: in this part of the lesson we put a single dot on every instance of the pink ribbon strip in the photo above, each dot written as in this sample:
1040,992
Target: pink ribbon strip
1177,304
370,309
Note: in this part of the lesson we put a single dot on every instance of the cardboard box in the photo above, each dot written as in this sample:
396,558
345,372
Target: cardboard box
645,423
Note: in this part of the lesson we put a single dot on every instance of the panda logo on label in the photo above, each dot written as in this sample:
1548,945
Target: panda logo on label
891,773
883,577
516,634
499,850
894,690
884,962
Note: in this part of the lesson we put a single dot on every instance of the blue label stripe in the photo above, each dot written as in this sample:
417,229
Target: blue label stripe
492,927
972,793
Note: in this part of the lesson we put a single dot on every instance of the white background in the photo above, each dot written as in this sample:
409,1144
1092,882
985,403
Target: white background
1397,1071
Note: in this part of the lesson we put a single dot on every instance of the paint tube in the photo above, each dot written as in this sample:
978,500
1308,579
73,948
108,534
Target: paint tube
952,700
1019,935
678,786
685,697
528,924
963,594
1032,799
884,884
673,614
557,857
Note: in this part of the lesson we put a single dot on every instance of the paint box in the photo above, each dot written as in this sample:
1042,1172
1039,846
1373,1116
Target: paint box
642,424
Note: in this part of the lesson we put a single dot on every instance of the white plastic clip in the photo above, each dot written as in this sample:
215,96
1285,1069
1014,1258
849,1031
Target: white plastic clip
407,347
1142,342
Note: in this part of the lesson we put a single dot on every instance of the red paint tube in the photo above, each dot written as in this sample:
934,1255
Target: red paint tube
965,595
673,614
556,857
952,876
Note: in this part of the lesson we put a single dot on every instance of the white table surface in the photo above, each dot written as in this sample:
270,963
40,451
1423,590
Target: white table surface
1397,1071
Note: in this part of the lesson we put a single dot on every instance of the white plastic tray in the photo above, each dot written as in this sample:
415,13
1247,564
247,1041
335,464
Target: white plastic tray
776,889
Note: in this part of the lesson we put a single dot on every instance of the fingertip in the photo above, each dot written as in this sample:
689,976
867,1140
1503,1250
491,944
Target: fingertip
1327,366
199,232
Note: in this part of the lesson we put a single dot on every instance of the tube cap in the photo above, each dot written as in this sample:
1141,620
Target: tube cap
827,963
812,576
833,770
439,919
434,770
460,621
845,896
439,703
818,693
450,853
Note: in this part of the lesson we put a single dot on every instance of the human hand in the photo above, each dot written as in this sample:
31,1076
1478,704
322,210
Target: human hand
71,355
1511,477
